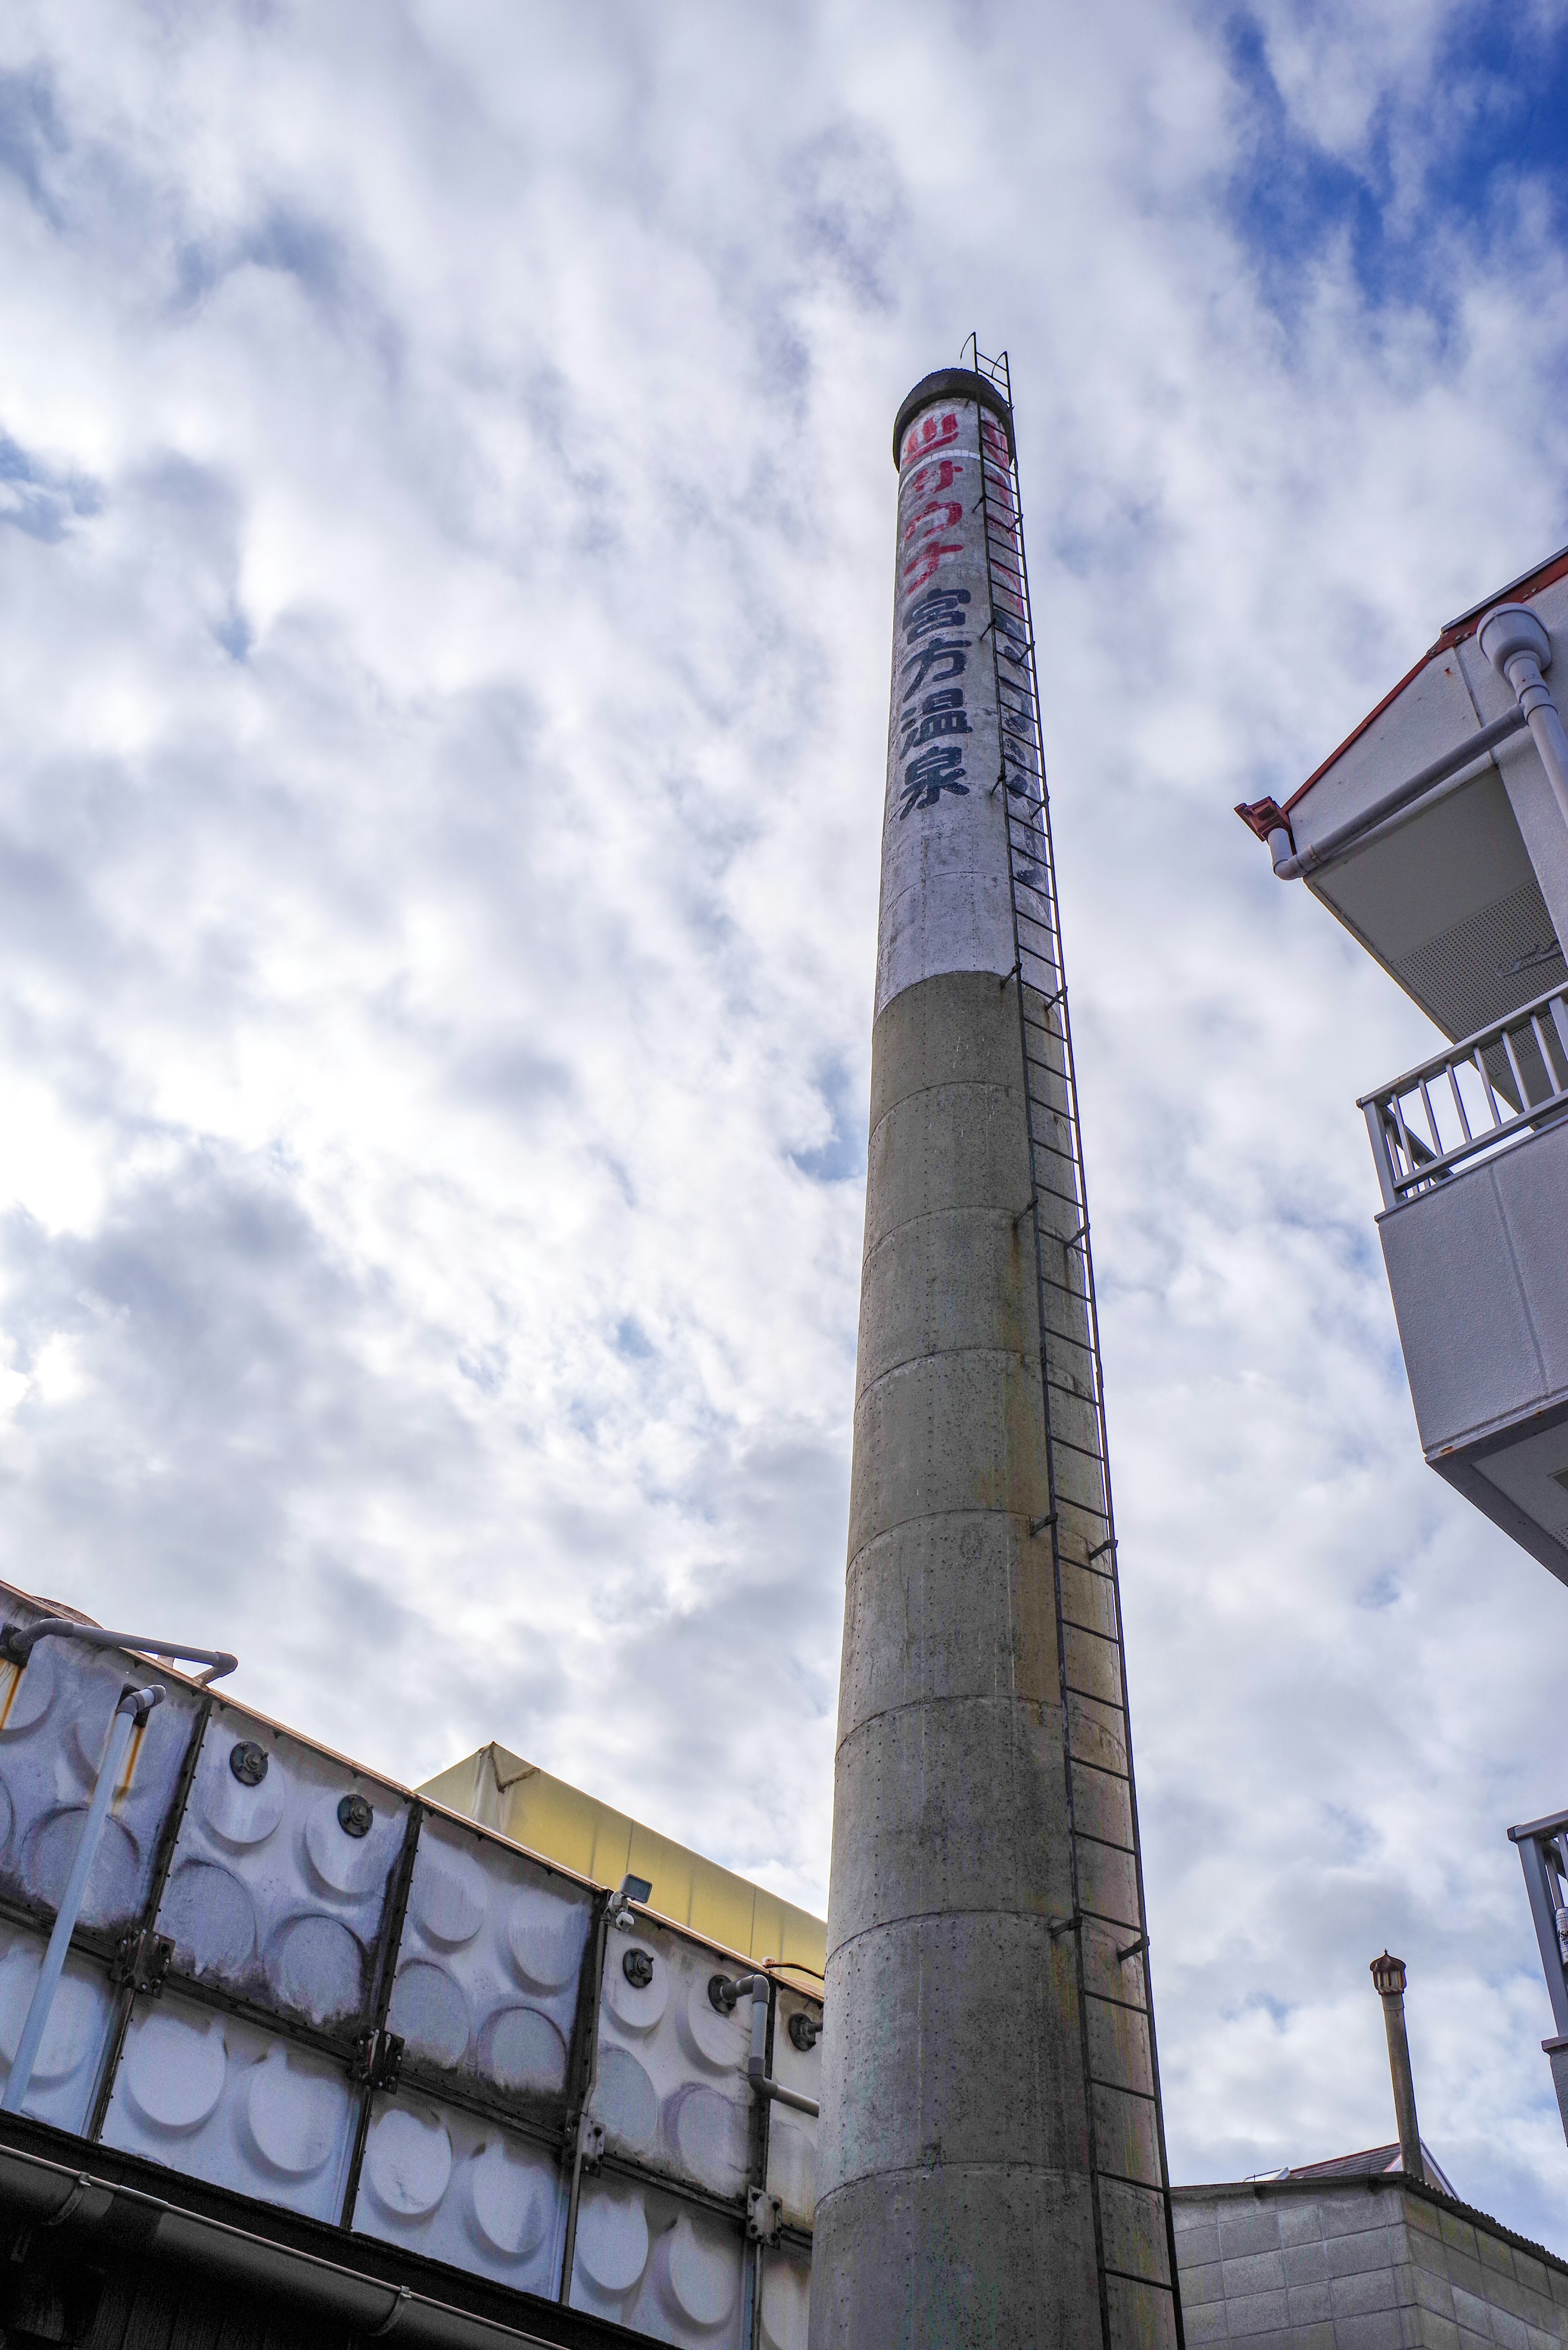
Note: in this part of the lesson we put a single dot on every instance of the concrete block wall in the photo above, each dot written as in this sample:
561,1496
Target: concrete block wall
1354,2264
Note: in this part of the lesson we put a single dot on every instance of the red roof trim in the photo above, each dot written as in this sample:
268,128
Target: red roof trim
1455,633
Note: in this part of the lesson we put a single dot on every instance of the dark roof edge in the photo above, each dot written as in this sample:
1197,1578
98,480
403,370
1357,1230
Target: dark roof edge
953,383
1528,583
1377,2183
1525,580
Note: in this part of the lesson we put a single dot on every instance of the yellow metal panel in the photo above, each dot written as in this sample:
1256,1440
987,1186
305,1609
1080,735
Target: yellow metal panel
503,1791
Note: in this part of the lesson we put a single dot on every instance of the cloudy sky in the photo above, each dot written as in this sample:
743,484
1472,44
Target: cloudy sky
446,580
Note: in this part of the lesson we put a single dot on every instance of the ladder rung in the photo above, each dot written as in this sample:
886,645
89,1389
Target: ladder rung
1124,2178
1107,1844
1131,2276
1111,1704
1119,2089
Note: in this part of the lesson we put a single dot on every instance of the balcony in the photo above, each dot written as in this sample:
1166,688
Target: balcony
1471,1150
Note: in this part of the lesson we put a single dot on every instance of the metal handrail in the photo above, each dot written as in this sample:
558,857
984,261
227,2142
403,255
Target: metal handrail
1417,1141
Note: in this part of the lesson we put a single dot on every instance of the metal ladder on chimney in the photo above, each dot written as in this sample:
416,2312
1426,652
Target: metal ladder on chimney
1114,2007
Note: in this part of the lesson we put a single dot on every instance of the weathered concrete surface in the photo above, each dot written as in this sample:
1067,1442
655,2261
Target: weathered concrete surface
954,2202
990,2164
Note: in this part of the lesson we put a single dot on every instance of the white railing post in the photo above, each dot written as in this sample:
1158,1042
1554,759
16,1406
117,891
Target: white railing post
1378,1134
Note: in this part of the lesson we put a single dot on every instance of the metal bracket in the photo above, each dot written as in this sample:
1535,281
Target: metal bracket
1056,1926
1038,1525
79,2188
1017,967
765,2217
405,2294
140,1960
1134,1949
377,2060
1101,1548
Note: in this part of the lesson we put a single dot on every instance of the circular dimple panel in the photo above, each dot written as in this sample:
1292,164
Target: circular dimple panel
505,2205
546,1942
722,2041
239,1814
173,2070
431,2012
707,2136
315,1961
523,2050
449,1896
210,1916
635,2008
87,1729
72,2029
697,2275
292,2116
626,2100
71,2033
18,1973
786,2303
408,2162
792,2162
612,2242
346,1864
31,1695
111,1881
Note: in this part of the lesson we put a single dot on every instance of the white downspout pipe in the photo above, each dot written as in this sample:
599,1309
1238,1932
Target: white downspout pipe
1519,649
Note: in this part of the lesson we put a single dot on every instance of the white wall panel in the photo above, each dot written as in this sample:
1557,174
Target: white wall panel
436,2182
488,1962
222,2100
272,1892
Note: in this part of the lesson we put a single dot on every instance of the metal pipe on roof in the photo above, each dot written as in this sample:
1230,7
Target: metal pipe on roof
1519,649
1292,865
1388,1975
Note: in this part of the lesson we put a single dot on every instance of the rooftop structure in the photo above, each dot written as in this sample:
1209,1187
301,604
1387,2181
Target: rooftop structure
1438,835
325,2039
518,1800
1332,2257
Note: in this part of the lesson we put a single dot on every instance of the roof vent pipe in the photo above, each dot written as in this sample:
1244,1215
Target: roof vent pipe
1519,649
1388,1975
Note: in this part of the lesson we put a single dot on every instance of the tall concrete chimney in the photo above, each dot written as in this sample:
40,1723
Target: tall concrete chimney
992,2168
1388,1975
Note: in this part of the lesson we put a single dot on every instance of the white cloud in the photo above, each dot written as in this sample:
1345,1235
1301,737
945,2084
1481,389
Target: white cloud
448,477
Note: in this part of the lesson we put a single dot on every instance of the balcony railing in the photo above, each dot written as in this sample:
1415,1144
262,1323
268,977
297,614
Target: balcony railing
1477,1097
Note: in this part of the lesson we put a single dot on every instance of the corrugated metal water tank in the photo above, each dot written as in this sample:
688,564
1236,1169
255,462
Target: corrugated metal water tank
296,1980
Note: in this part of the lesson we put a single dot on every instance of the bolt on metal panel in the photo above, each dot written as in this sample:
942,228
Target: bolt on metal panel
281,1872
488,1965
672,2093
792,2134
